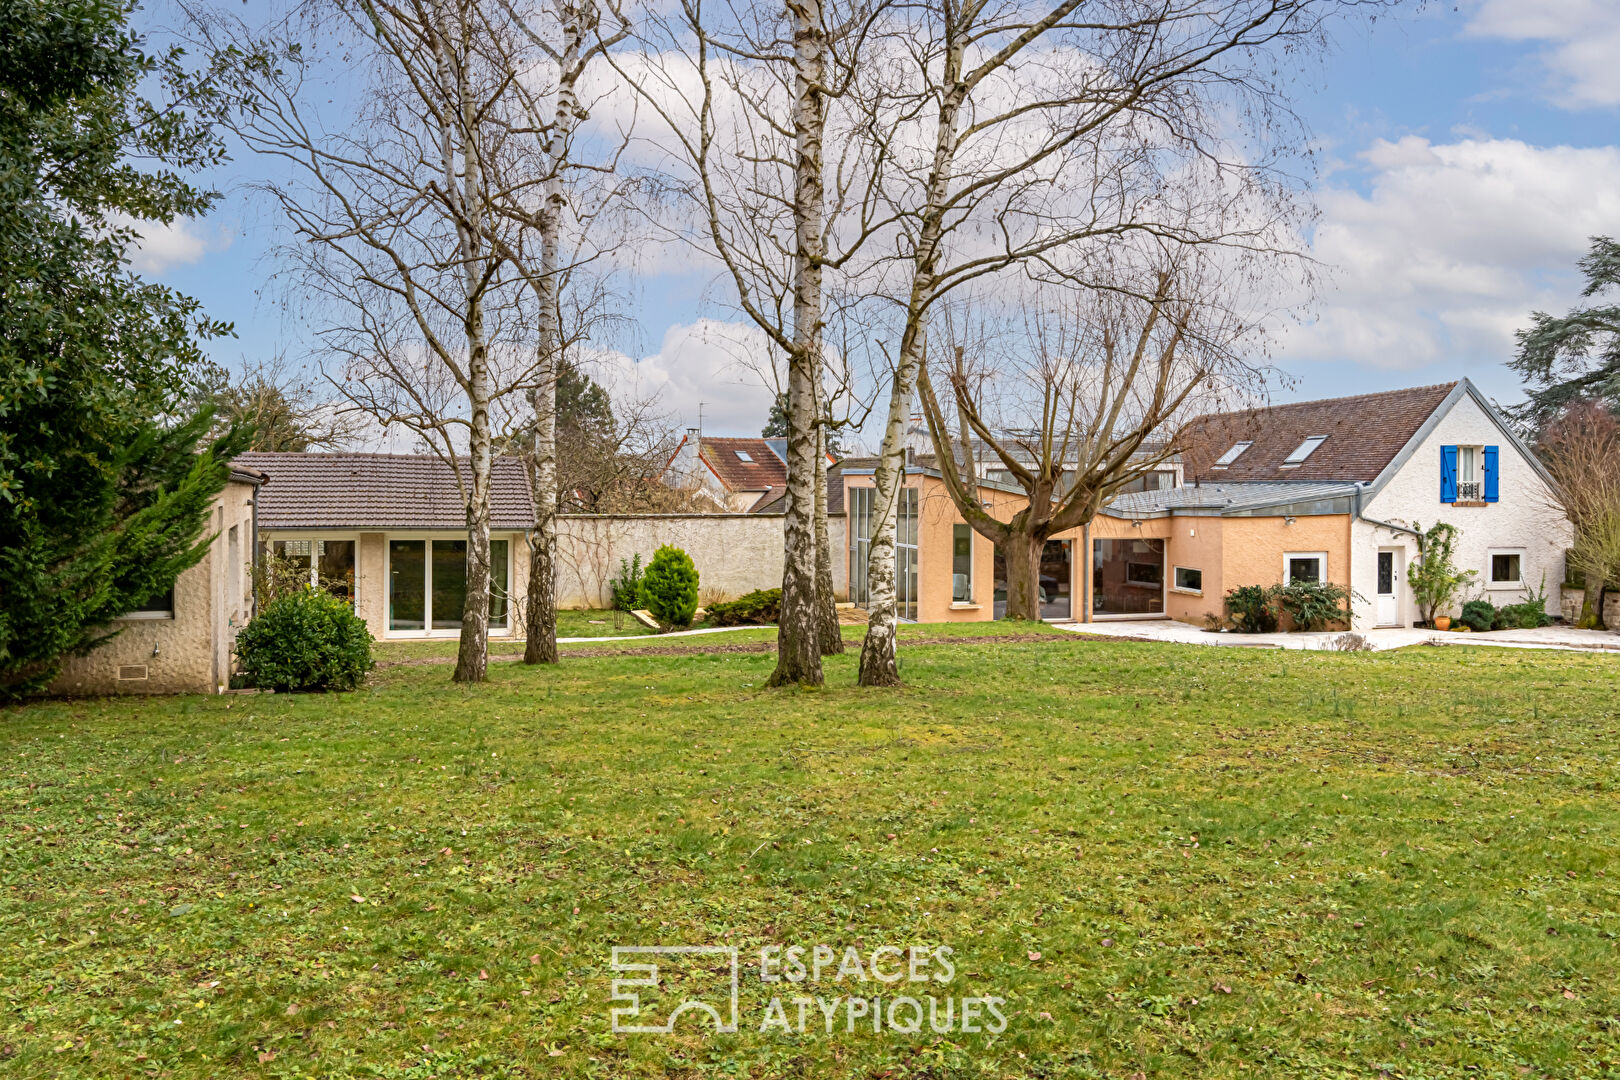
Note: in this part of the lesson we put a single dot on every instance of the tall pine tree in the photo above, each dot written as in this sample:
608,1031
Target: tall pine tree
107,469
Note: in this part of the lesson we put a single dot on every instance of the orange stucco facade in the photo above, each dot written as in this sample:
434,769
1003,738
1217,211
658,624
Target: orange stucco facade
1227,551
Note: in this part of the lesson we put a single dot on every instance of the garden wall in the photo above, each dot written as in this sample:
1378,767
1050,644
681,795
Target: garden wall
734,553
1572,599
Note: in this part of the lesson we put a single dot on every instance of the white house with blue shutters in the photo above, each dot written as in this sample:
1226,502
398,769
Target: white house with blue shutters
1466,466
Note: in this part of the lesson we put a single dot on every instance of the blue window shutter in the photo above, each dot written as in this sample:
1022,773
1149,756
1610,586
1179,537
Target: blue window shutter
1491,486
1448,474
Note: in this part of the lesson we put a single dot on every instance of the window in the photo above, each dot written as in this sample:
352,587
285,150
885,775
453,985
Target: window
863,518
1127,577
160,606
1304,566
1232,455
1189,580
743,455
961,564
1304,450
329,564
427,584
1469,474
1507,568
1156,480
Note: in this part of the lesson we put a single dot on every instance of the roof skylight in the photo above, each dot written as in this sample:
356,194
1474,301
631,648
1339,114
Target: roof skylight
1232,455
743,455
1305,449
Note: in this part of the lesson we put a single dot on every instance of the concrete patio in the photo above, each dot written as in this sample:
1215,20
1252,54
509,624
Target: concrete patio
1547,637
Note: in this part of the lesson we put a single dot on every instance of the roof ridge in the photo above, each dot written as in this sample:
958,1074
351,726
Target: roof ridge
1446,386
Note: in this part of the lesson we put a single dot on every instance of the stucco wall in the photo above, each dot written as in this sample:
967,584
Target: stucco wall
189,653
1522,520
734,553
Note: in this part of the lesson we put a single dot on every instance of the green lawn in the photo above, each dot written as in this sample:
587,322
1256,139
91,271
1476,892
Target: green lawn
1169,861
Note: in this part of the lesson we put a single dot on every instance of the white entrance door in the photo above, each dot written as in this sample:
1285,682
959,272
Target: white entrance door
1389,598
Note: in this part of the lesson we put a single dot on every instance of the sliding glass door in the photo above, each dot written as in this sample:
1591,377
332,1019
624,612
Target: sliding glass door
427,584
1127,577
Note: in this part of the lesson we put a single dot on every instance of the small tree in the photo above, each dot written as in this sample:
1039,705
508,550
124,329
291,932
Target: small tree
1434,578
670,587
1582,451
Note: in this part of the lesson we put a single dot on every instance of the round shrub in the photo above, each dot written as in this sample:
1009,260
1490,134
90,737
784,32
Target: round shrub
307,640
670,586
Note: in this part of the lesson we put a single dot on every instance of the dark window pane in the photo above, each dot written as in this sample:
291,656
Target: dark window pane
1127,577
1386,573
449,583
961,563
337,567
1306,569
1056,577
1188,578
161,604
498,599
407,571
1504,568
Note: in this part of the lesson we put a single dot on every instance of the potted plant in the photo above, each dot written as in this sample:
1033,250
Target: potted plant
1434,578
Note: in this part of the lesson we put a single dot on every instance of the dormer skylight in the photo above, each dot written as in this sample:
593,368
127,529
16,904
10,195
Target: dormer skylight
743,455
1232,455
1304,450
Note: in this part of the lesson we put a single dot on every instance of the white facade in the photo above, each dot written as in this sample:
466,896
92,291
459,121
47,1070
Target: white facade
1523,521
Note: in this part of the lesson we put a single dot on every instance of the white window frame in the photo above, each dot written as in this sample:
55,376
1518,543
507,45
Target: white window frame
1303,451
427,630
153,614
1184,589
1322,568
1504,586
971,601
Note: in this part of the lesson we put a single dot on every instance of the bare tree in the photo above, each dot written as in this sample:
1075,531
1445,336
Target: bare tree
1581,448
743,93
1025,140
1101,380
290,410
396,224
553,187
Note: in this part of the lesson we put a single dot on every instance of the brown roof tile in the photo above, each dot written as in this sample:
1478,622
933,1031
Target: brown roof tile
1364,433
379,491
766,470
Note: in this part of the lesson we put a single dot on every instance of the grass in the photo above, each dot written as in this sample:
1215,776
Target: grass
1168,861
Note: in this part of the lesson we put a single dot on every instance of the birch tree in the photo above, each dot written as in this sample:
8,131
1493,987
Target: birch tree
551,48
743,95
1025,141
393,213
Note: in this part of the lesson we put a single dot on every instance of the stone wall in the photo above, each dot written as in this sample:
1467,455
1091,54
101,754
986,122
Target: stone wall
1611,607
734,553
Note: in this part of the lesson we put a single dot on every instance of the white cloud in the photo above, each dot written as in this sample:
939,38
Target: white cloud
722,366
1450,247
1579,39
181,243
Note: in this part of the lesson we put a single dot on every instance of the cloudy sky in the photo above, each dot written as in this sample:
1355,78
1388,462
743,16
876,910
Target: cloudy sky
1470,150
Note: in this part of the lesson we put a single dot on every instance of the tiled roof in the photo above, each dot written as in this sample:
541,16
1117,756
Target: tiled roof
1364,433
766,470
379,491
774,501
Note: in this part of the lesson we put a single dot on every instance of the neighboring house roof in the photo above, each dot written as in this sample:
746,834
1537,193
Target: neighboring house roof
774,501
1363,433
380,491
762,469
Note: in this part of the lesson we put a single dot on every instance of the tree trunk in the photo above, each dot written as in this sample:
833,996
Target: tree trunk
832,637
1022,554
879,664
472,657
540,625
798,638
1591,604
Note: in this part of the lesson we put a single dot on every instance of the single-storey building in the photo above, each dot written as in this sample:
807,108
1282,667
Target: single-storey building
181,641
1330,490
390,530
